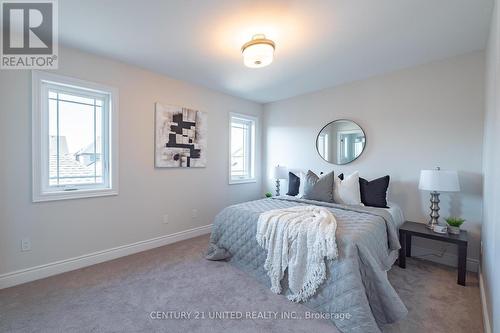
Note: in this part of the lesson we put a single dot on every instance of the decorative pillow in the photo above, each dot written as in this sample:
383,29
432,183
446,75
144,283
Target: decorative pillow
374,193
346,190
302,176
293,184
316,188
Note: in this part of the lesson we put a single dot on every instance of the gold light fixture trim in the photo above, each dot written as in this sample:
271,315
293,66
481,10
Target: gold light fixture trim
258,52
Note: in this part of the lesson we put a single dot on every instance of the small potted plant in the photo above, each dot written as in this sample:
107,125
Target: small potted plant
268,194
454,224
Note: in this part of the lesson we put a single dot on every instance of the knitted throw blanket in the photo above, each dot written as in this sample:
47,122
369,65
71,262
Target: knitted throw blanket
298,238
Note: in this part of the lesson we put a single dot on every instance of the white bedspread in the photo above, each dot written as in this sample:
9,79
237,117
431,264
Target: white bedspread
298,238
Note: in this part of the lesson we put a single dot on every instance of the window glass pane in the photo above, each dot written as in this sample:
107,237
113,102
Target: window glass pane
237,167
76,139
53,143
237,141
76,98
323,147
238,151
99,146
75,155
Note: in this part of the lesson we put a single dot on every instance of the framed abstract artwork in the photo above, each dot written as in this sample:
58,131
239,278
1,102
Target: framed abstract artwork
180,137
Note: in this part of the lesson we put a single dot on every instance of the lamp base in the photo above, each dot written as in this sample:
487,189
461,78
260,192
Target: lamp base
434,210
277,187
431,224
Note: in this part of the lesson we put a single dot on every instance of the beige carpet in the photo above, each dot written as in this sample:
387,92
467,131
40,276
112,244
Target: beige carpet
120,295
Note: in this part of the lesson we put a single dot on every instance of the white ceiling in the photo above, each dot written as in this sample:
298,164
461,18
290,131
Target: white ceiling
319,44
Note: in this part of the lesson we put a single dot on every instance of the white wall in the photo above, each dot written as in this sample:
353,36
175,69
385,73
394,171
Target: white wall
65,229
490,264
417,118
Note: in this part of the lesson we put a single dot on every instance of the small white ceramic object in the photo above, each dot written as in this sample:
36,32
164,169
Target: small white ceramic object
440,229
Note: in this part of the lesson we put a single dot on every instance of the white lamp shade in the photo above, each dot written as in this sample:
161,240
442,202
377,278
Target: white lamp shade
439,180
280,172
258,55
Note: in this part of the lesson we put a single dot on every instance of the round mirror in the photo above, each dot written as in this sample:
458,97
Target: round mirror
341,141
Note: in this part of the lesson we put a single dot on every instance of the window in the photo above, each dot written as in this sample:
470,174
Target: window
242,148
323,148
75,138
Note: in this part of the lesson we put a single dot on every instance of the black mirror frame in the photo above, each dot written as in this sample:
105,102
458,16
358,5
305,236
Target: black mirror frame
342,119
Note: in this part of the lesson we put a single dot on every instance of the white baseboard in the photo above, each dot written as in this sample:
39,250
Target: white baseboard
484,304
448,259
39,272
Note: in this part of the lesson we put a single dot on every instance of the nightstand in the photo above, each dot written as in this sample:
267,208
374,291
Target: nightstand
409,229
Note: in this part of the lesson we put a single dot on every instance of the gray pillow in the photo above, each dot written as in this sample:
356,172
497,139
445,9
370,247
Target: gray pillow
316,188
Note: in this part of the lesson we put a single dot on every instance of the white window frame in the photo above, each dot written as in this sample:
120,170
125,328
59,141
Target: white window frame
41,81
252,178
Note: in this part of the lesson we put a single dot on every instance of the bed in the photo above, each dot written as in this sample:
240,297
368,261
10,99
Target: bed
356,293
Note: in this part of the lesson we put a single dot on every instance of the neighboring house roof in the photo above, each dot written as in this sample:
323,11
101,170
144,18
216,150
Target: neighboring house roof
69,167
89,149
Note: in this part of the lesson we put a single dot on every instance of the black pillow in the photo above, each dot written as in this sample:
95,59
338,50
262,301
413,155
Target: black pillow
293,184
374,193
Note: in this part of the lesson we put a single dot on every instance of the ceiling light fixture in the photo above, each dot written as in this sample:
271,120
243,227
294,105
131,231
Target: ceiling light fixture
258,52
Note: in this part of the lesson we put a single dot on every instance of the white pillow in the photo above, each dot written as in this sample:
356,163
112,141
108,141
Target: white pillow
302,176
346,192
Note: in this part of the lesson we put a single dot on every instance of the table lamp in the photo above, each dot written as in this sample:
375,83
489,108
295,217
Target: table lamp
280,172
437,181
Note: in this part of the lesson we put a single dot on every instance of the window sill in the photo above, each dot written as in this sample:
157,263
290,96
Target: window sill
242,181
77,194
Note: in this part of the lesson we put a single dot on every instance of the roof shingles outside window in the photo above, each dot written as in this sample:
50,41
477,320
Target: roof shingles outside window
72,171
